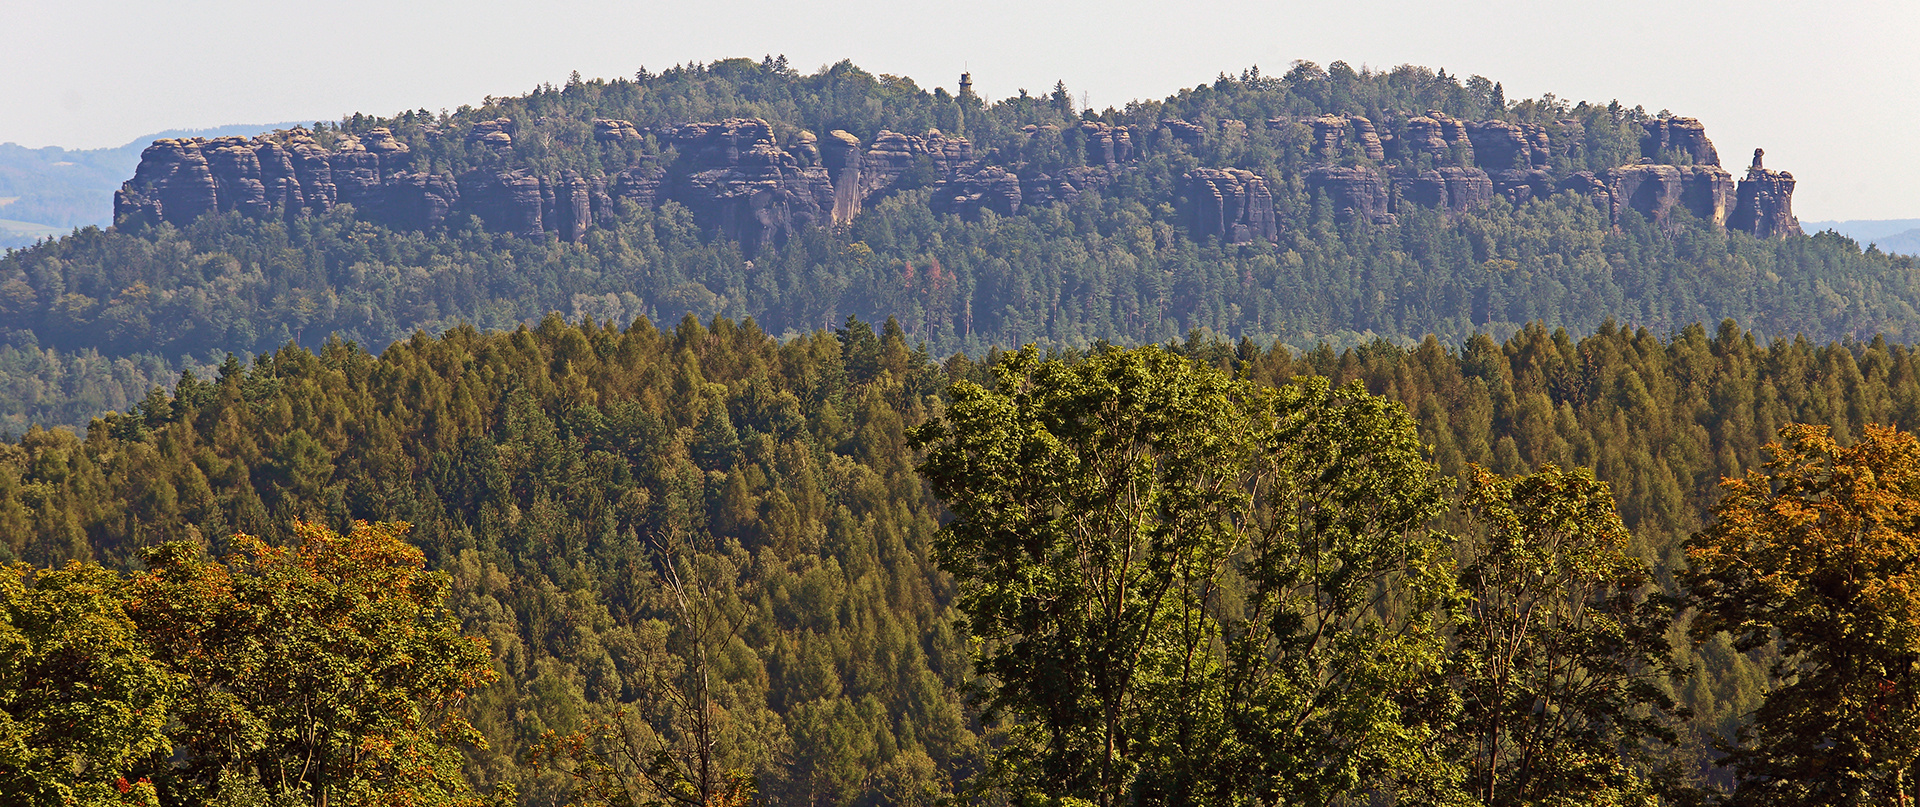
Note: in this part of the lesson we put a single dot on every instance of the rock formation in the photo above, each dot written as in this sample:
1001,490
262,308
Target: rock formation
607,130
743,180
1499,145
1654,191
1686,136
1332,134
977,189
1435,135
1452,187
1521,185
1229,204
1355,192
1192,134
1764,207
1107,144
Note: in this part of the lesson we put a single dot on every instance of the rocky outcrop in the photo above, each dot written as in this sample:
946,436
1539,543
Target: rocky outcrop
1452,187
1107,144
610,130
979,188
841,155
1333,135
747,187
492,134
1499,145
1354,191
1521,185
1683,136
1229,204
181,179
1192,134
506,201
1764,204
1434,135
1654,191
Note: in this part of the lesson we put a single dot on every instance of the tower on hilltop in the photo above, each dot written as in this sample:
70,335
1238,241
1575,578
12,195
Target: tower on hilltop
966,84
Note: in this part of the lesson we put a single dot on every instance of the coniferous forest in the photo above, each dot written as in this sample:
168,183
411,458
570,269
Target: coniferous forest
1531,502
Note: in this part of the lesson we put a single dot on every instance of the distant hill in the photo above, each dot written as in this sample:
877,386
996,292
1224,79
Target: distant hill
1898,236
48,191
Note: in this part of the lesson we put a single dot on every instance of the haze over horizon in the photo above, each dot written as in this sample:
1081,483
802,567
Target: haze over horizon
1824,89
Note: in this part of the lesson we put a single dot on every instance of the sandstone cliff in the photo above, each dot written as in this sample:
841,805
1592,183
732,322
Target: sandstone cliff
1764,203
744,180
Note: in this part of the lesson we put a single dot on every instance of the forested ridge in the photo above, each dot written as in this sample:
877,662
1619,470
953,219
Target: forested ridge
1118,263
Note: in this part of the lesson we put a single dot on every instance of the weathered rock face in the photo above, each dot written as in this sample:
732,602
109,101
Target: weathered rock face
744,182
1684,135
179,180
1333,135
1521,185
1229,204
1452,187
1355,192
1499,145
979,188
1434,135
506,201
1593,188
1654,191
893,155
1106,144
1764,207
745,186
610,130
840,154
1192,134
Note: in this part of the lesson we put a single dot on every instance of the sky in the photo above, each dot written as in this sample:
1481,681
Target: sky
1831,90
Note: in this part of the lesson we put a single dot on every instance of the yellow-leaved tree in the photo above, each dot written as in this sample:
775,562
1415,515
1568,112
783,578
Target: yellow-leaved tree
1818,555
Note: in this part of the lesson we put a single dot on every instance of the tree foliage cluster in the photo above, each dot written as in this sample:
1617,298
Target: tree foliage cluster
327,672
704,563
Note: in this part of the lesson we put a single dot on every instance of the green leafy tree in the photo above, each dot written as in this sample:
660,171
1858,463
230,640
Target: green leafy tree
1818,556
1562,657
1096,504
82,702
1187,589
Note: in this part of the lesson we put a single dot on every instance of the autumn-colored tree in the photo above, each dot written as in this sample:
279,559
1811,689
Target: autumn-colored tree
82,703
1818,556
329,669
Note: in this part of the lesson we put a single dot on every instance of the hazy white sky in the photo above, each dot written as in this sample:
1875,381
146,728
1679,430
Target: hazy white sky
1830,89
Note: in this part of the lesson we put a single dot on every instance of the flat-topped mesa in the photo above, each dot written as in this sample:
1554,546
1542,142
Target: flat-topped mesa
1685,137
181,179
1229,204
1764,205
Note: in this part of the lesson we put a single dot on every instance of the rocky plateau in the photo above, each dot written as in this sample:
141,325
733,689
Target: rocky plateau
741,179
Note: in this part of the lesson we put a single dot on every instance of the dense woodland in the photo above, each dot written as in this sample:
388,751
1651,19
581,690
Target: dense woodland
575,482
795,550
